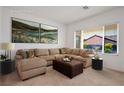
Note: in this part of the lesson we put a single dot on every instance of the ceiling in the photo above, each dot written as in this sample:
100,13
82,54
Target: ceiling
62,14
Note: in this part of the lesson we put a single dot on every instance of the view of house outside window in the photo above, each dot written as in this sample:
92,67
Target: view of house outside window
103,38
93,38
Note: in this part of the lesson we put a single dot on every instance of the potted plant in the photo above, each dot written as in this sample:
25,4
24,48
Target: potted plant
95,52
3,57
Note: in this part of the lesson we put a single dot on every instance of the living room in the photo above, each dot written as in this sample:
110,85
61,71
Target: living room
64,45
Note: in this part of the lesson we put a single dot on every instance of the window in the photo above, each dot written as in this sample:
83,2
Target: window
110,38
104,38
93,38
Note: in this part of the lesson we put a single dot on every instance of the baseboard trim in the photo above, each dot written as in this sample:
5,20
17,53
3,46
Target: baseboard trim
117,70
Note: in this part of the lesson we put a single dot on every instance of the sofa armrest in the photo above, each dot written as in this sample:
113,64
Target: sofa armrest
88,61
19,67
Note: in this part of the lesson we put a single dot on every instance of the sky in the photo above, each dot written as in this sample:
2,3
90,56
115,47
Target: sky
89,34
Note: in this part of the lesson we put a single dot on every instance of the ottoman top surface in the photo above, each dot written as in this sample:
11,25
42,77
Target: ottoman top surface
72,62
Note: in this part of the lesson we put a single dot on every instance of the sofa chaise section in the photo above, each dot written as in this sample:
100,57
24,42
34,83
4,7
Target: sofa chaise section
30,67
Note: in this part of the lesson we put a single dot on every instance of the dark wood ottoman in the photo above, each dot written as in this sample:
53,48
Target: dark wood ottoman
69,69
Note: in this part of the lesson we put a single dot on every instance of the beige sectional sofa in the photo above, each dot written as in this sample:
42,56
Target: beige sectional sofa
38,59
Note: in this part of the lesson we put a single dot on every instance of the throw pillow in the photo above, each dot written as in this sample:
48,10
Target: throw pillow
24,54
31,53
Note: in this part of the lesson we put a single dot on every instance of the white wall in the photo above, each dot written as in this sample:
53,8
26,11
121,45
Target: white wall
0,22
0,29
6,29
115,16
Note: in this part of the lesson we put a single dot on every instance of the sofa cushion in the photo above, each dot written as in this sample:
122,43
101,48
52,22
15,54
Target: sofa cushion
22,53
84,53
19,52
90,51
48,58
31,53
31,63
76,51
54,51
49,63
88,62
18,57
60,56
66,51
31,73
63,50
78,58
41,52
25,54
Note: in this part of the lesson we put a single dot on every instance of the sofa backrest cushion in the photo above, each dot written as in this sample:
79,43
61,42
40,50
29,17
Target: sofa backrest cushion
54,51
84,53
76,51
90,51
63,50
66,51
41,52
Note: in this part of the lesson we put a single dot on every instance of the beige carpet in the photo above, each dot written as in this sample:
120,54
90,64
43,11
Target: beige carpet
54,78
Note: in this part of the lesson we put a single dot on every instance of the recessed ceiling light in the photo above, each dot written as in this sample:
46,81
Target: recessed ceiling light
85,7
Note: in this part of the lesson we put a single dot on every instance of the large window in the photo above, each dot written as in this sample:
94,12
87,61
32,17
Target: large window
104,39
93,38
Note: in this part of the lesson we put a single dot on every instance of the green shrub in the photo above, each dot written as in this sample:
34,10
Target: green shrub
85,46
107,50
108,47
